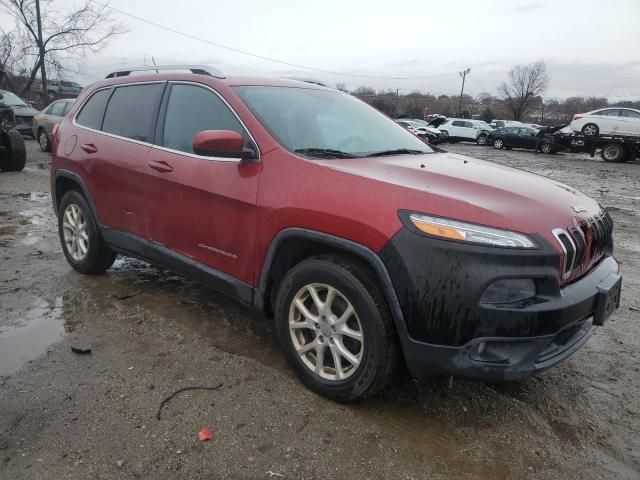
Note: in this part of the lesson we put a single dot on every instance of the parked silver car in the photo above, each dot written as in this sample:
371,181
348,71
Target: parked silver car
44,121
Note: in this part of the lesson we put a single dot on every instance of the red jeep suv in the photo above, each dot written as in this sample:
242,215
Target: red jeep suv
369,247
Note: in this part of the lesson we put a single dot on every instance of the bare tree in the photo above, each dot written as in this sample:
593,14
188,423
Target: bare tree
341,86
53,36
524,84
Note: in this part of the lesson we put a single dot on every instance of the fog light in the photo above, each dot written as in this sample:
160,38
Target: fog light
509,290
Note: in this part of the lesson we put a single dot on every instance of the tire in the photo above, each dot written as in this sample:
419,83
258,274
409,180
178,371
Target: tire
96,257
498,143
613,153
546,148
14,156
43,140
481,140
377,351
590,130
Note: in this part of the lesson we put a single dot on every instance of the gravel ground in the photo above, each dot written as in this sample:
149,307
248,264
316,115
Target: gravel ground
65,415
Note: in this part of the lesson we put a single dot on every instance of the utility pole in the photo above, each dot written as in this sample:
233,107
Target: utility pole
397,100
462,74
41,53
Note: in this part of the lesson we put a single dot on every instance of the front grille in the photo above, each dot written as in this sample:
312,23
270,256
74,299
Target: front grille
584,243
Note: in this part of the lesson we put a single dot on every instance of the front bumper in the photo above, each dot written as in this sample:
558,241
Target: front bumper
450,332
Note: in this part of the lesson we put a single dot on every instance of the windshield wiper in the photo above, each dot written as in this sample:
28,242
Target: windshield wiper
397,151
325,153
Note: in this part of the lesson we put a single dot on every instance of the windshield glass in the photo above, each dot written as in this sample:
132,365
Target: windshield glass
12,100
328,120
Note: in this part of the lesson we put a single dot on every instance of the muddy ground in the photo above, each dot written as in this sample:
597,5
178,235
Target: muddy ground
64,415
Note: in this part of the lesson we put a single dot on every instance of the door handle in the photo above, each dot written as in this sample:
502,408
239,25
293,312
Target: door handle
89,148
160,166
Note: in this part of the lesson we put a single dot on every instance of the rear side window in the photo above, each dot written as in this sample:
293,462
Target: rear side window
190,110
93,111
132,110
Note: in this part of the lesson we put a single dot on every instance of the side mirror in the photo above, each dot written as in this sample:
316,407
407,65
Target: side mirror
221,143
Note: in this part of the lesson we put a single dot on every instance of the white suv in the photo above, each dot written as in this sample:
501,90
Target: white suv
607,121
465,130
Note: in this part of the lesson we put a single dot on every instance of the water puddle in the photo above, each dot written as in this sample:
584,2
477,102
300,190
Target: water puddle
28,330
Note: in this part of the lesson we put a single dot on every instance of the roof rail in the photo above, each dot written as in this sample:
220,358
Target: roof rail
195,69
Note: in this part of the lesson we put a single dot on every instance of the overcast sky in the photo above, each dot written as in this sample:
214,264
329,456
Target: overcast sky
591,47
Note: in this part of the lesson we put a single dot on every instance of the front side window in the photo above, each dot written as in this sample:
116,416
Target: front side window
192,109
57,109
92,112
458,123
326,121
131,111
630,114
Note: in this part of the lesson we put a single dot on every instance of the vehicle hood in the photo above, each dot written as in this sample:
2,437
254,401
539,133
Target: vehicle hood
432,130
468,189
25,111
436,122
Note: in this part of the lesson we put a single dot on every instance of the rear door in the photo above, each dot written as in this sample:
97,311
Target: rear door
527,137
510,136
119,124
202,207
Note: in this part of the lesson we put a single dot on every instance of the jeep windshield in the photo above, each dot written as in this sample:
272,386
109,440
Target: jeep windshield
328,123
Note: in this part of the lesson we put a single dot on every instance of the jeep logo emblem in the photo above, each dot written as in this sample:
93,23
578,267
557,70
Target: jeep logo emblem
578,208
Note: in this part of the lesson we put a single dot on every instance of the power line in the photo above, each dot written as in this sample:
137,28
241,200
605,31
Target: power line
261,57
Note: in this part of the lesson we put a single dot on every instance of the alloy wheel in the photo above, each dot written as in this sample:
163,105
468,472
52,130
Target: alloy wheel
590,130
482,140
545,148
498,143
43,141
326,332
76,236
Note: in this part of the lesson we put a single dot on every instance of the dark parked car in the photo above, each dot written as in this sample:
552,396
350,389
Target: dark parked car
369,248
64,88
523,137
23,112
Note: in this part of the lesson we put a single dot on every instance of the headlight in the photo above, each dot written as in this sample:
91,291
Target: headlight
509,291
469,232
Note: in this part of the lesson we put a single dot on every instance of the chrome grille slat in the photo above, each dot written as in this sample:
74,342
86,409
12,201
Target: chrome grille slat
584,243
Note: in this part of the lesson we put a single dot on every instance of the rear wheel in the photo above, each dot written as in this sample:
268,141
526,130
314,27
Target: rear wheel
334,326
43,140
81,241
613,152
498,143
14,155
590,130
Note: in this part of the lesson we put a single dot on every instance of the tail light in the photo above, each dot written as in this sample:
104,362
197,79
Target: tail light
577,117
54,131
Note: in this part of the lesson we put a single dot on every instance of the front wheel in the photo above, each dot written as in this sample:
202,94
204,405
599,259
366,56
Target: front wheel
335,328
482,140
498,143
81,241
546,148
14,155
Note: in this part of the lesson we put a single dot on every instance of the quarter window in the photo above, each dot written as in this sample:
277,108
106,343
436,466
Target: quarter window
131,111
93,111
192,109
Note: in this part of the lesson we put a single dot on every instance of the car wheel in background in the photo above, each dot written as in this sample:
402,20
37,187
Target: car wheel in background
80,238
498,143
14,155
546,148
481,140
613,152
444,137
335,328
590,130
43,140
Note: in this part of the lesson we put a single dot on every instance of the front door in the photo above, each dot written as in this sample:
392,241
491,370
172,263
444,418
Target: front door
202,207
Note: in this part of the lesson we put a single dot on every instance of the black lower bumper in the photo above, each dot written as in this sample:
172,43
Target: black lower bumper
451,332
